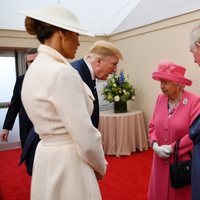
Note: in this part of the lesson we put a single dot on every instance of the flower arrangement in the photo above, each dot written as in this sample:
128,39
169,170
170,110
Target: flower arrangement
118,88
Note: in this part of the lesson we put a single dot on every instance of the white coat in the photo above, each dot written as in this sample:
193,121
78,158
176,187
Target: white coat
59,104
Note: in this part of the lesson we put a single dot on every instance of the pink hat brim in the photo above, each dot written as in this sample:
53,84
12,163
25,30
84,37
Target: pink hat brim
159,76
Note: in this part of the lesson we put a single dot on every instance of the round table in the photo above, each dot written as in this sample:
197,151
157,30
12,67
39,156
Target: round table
123,133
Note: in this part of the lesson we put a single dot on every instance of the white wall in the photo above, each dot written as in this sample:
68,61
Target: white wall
144,47
104,105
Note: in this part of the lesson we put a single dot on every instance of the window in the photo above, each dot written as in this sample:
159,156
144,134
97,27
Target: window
7,75
7,82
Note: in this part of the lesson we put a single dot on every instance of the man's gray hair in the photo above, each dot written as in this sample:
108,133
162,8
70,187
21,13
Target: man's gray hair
31,51
195,36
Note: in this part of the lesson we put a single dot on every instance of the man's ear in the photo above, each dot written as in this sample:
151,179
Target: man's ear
98,60
198,44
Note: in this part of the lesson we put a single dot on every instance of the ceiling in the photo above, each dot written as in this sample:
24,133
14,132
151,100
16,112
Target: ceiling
102,17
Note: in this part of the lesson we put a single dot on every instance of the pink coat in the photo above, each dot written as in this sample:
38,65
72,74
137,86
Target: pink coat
167,130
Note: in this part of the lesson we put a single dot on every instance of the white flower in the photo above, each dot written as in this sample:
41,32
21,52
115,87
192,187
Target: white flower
116,98
118,88
133,98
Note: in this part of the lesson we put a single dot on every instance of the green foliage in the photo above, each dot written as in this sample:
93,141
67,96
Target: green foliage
118,88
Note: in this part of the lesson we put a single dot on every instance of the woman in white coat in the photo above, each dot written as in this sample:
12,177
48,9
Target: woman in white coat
69,158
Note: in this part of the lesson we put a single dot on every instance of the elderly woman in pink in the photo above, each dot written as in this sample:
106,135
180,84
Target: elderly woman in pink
173,114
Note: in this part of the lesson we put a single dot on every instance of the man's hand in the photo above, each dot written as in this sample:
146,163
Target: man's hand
4,135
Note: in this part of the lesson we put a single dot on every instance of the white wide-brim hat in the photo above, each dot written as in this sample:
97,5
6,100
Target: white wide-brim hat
58,16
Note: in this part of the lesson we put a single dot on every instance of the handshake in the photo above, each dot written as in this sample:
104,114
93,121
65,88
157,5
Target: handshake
163,151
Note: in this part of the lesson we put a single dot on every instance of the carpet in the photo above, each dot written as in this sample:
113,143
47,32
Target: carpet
126,179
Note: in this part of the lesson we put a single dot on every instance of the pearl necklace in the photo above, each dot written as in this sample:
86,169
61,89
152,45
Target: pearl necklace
172,105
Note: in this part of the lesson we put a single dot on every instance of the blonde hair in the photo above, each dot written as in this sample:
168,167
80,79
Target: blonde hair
103,49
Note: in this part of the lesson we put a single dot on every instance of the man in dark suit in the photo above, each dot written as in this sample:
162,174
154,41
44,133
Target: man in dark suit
25,125
100,61
16,107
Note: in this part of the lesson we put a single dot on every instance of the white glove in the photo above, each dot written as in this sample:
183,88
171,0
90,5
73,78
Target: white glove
163,151
168,148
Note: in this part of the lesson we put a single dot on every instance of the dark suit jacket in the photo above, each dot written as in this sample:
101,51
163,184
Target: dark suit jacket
16,107
85,74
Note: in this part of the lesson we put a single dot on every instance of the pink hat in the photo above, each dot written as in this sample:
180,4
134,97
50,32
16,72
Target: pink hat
170,71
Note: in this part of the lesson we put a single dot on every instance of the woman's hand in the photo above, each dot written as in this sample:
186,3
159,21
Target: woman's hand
98,176
163,151
168,148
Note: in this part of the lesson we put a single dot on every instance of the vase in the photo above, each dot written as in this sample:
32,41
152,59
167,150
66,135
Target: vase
120,107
